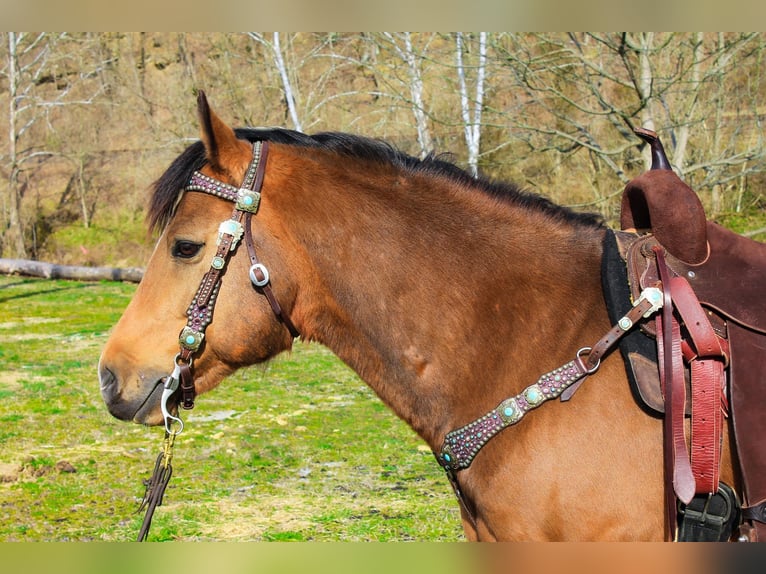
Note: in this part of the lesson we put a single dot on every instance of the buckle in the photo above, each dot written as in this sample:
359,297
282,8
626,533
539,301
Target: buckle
709,517
261,281
230,227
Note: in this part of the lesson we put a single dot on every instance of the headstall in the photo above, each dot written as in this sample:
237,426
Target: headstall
246,199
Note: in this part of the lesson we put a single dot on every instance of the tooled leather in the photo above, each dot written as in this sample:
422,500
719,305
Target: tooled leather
729,282
707,381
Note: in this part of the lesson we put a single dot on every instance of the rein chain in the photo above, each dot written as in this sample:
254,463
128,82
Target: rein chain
199,315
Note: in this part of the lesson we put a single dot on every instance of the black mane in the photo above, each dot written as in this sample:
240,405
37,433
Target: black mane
167,188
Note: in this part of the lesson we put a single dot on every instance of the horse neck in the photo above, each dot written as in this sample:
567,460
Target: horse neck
443,300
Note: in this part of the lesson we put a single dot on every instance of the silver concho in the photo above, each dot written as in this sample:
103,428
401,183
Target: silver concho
248,200
230,227
190,339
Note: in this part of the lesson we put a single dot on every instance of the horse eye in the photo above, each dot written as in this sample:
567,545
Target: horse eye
186,249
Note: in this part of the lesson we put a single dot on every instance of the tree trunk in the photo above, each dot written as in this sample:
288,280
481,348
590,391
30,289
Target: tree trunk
14,233
472,117
412,61
78,273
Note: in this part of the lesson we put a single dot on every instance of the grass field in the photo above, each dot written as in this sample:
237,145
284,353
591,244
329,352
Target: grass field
299,449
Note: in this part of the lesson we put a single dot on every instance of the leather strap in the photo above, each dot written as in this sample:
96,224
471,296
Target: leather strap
707,384
707,422
265,289
605,343
186,386
679,480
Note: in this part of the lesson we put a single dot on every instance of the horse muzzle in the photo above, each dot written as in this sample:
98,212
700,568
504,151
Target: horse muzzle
142,407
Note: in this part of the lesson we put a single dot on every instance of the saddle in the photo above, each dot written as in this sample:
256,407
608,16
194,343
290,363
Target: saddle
704,357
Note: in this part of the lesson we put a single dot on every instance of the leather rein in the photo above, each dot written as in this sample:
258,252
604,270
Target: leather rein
246,199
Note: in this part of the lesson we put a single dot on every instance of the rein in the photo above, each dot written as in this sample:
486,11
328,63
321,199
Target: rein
246,199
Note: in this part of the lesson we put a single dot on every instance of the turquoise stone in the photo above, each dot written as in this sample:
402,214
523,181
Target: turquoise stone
532,395
190,340
447,457
508,411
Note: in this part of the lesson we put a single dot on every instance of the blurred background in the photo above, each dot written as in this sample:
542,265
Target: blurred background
89,120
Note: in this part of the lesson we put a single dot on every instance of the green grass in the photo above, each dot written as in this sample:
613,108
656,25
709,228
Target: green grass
297,450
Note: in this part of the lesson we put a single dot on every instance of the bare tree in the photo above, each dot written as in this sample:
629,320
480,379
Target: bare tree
471,114
275,48
586,91
40,82
403,46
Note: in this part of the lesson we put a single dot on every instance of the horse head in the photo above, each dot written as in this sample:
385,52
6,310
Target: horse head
143,348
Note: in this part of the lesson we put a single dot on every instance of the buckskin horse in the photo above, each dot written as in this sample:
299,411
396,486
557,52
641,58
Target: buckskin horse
463,303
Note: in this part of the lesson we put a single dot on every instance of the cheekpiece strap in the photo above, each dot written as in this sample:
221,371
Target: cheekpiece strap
246,200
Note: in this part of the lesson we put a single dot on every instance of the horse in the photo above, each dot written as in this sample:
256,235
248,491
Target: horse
444,292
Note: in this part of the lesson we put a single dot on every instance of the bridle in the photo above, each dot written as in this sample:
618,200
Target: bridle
246,199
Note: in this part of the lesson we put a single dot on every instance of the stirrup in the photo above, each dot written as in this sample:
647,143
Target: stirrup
709,517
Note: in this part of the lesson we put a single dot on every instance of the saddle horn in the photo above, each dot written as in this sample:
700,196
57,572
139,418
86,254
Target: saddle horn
658,201
659,159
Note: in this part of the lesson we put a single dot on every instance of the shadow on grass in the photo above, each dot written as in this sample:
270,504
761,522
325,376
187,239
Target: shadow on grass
36,292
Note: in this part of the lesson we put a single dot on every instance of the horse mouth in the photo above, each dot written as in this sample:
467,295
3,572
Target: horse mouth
141,410
148,412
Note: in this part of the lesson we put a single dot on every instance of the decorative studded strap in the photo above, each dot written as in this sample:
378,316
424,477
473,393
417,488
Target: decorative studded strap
461,445
200,312
251,184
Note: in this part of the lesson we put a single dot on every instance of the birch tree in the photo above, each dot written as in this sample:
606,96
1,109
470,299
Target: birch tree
275,48
471,110
403,47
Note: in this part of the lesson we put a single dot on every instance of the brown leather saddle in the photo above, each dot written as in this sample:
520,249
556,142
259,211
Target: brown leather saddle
727,273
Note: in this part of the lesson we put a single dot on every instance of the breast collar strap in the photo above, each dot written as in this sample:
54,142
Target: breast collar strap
200,312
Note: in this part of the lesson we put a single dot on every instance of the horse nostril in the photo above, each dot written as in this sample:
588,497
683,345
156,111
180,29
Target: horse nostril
108,383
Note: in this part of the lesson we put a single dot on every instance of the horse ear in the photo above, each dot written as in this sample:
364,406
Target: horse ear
219,138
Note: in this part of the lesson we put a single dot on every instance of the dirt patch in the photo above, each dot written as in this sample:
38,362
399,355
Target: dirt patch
28,321
9,472
32,468
11,380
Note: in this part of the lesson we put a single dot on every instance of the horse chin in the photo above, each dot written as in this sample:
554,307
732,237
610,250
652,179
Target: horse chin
150,413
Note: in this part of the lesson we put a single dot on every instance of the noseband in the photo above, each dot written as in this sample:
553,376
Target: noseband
246,199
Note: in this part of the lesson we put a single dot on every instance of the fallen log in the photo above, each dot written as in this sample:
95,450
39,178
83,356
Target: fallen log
75,272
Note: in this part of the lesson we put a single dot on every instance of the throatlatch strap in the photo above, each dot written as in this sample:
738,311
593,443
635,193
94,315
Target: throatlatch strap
264,284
